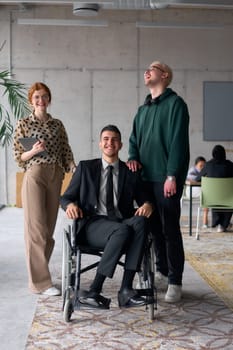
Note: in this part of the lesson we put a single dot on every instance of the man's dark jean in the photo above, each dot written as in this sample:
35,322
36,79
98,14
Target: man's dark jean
165,225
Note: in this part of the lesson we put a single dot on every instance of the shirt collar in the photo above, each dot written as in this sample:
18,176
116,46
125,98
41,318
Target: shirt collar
106,164
33,117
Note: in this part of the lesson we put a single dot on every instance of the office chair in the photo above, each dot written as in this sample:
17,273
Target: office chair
216,193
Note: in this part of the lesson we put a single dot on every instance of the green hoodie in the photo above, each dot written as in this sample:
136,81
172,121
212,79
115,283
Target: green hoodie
160,137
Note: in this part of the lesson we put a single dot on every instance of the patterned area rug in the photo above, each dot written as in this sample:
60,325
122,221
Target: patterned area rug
212,257
200,321
196,323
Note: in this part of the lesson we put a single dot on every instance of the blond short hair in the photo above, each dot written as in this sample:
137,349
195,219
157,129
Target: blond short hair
165,68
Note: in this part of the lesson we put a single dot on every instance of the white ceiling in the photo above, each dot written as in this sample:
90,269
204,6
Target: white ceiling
128,4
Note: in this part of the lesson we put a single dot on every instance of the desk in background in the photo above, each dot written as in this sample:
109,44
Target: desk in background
191,184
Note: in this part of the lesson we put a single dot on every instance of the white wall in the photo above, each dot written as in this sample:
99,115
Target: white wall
96,74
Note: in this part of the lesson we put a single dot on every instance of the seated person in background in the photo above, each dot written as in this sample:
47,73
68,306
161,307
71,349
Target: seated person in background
218,166
193,173
106,223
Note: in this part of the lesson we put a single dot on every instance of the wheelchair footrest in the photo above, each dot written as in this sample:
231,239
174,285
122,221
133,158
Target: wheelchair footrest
149,294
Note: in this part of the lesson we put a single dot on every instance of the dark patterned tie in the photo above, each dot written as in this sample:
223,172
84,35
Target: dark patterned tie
109,194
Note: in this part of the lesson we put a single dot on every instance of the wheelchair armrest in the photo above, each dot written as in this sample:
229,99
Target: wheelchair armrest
74,225
75,228
71,231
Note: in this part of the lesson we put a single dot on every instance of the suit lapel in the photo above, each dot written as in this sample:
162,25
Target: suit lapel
121,177
96,176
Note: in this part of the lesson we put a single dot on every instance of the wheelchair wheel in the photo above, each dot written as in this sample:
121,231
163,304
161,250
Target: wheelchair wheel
147,276
68,309
151,307
65,264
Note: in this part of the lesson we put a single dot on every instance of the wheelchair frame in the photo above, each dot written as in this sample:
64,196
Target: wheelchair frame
72,270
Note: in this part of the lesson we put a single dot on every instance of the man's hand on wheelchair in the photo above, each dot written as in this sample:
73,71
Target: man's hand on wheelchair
145,210
73,211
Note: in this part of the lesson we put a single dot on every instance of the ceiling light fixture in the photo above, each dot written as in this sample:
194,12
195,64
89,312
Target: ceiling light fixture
85,9
61,22
160,4
177,25
155,5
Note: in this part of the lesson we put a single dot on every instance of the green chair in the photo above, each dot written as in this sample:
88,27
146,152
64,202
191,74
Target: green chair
216,193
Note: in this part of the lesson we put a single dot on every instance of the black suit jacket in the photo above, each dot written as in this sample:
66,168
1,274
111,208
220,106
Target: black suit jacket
85,183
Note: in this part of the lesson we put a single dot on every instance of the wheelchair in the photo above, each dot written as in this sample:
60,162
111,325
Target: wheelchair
72,270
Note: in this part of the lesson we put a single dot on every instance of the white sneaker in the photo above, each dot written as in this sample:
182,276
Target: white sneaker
220,228
173,293
160,280
52,291
204,227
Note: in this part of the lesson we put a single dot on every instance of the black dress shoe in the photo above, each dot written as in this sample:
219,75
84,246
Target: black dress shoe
94,300
130,298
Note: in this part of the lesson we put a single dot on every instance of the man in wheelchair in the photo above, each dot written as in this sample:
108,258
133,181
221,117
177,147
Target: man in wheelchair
102,196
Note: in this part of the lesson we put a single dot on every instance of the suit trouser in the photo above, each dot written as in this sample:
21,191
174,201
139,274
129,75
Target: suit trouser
117,238
221,218
166,230
40,197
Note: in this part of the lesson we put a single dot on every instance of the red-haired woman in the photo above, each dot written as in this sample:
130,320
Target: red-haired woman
44,165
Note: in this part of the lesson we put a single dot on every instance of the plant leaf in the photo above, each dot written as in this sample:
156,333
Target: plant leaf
18,105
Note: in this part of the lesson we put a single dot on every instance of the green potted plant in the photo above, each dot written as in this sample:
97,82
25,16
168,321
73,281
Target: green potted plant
15,93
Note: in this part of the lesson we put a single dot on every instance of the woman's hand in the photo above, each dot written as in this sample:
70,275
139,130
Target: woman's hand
38,147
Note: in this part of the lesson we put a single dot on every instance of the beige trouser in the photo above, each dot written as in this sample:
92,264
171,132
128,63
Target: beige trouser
40,197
